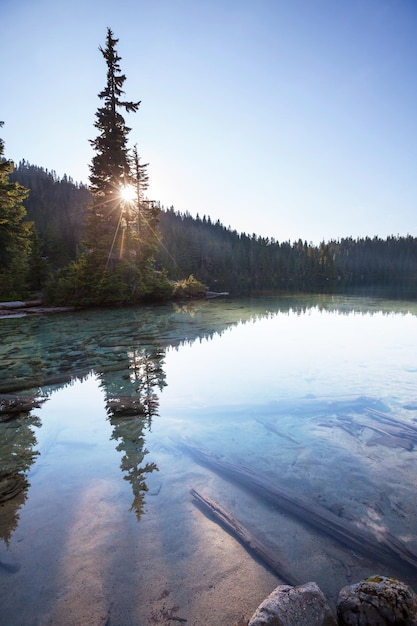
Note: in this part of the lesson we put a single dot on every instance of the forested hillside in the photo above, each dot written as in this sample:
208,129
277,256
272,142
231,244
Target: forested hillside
226,260
57,206
221,258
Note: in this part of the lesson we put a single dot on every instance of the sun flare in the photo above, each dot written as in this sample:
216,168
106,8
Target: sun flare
128,193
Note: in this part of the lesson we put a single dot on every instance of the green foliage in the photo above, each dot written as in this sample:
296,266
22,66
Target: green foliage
217,256
39,269
189,288
13,283
239,263
15,232
82,284
57,207
110,168
116,266
115,261
62,288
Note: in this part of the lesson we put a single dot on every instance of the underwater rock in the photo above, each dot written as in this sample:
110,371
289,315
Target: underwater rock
304,605
377,601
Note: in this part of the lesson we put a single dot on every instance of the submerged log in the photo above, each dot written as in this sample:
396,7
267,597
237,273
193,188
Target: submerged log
393,433
244,536
390,441
273,429
397,427
383,548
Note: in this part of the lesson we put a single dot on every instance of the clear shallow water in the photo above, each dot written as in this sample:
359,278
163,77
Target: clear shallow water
106,532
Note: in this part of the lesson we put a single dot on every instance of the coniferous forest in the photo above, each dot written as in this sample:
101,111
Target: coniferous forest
106,243
220,257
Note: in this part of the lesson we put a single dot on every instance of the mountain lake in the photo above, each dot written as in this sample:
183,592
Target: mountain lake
133,439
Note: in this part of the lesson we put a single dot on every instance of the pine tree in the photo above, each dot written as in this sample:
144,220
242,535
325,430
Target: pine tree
108,271
145,211
15,232
141,183
117,266
110,168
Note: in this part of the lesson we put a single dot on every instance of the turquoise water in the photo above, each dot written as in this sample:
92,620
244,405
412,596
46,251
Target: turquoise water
98,526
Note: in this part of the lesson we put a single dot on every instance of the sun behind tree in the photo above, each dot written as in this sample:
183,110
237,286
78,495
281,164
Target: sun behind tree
128,193
110,171
117,265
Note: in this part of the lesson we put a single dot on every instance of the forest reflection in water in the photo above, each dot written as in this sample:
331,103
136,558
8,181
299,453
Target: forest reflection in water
316,394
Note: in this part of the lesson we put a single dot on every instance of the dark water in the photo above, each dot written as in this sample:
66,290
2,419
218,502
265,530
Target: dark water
315,395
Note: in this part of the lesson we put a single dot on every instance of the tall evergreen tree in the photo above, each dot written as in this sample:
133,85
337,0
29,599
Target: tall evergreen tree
110,168
146,212
117,266
15,232
141,182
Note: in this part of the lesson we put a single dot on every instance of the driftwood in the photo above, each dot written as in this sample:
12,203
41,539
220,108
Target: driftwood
244,536
32,307
385,547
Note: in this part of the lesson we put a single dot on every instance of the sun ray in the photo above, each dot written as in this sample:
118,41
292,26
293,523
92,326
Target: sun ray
128,193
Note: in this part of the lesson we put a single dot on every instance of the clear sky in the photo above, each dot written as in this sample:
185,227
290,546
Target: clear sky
286,118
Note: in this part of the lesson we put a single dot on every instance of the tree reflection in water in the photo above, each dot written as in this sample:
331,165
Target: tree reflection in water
17,456
131,402
130,413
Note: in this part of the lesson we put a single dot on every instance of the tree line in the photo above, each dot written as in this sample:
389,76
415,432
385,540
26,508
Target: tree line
108,244
227,260
220,257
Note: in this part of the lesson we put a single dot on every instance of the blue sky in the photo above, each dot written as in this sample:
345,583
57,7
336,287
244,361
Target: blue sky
286,118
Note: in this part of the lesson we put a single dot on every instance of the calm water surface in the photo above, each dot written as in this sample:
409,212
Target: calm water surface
314,396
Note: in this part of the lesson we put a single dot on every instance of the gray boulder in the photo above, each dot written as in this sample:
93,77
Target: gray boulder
377,601
304,605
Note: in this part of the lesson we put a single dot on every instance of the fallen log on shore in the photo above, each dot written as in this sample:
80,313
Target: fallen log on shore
21,308
244,536
384,547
